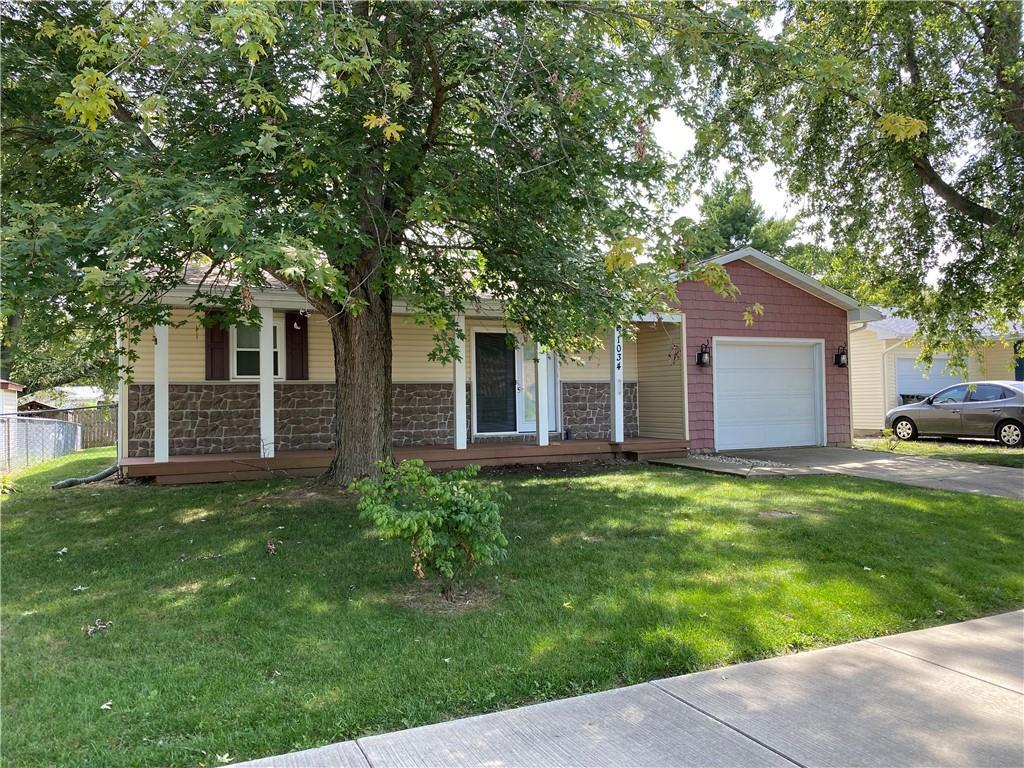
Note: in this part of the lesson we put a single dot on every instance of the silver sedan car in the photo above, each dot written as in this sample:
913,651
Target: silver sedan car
974,409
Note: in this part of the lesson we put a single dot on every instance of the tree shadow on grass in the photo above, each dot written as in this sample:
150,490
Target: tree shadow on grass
612,578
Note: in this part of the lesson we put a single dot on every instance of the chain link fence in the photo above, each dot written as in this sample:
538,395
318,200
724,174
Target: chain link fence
99,422
28,440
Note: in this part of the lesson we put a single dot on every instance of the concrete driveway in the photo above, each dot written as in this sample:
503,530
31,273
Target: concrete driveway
947,696
897,468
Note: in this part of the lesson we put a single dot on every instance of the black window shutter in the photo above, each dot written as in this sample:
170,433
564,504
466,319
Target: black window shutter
296,345
217,351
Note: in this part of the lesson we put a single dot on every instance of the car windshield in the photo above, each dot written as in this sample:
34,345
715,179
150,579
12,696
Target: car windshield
951,395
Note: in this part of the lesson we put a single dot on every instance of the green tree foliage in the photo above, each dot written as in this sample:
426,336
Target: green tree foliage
730,218
450,522
357,151
899,124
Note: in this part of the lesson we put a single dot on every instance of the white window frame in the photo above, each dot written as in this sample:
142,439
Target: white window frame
281,359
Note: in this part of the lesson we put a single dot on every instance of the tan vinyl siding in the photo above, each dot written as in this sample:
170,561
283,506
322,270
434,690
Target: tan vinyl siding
186,351
998,360
411,345
596,365
866,402
142,368
660,386
320,349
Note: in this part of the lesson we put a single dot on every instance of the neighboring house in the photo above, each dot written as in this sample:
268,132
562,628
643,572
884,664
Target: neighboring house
884,371
66,397
202,393
31,405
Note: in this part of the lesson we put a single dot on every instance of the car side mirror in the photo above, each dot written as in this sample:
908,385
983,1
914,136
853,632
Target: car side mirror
929,400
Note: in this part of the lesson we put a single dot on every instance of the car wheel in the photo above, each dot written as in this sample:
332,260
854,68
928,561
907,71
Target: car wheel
1010,433
904,429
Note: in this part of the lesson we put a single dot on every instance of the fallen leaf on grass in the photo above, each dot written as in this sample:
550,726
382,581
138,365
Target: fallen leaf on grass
99,626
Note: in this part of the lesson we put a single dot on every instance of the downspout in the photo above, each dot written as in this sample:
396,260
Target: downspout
885,388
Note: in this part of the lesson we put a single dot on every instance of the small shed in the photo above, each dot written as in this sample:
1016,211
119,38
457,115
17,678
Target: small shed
9,396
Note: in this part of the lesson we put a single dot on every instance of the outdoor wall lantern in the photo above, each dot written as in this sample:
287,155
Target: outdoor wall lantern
840,356
704,356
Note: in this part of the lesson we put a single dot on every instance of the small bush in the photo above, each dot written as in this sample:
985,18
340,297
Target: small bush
451,522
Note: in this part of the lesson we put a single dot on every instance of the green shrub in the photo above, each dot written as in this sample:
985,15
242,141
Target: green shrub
451,521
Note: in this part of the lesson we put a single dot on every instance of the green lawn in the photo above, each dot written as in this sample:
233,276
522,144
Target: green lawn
615,576
979,452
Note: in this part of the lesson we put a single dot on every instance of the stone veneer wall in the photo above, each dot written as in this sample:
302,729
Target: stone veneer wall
140,420
303,416
422,414
224,417
586,410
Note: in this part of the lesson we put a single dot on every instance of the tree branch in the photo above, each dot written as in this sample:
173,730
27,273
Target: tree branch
953,198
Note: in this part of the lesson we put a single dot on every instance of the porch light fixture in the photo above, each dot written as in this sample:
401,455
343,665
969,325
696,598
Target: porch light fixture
840,356
704,356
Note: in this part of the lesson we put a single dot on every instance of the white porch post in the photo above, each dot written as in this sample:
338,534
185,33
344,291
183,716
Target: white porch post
542,396
618,429
122,401
459,388
267,382
161,395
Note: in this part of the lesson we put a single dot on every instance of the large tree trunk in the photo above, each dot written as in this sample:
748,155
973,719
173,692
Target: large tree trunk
362,369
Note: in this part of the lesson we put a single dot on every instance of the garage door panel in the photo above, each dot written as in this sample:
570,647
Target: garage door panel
767,410
765,357
738,382
767,395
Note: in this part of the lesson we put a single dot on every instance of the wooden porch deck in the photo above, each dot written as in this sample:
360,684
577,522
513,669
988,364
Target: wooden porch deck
221,467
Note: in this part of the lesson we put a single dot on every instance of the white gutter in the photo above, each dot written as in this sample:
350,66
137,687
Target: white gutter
885,379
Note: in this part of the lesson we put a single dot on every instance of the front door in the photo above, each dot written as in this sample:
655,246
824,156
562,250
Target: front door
495,377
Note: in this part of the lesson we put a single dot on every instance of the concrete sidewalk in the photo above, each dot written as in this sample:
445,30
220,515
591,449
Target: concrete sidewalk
945,696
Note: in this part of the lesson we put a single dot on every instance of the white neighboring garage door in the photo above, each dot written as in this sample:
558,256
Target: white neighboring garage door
911,380
769,393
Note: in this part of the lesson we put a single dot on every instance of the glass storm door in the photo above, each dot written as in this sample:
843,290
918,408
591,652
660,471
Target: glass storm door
495,375
527,389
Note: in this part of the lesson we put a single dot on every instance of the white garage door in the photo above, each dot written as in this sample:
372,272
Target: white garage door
767,394
911,380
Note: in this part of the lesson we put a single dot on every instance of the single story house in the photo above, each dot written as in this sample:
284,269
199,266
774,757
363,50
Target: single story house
884,372
200,404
